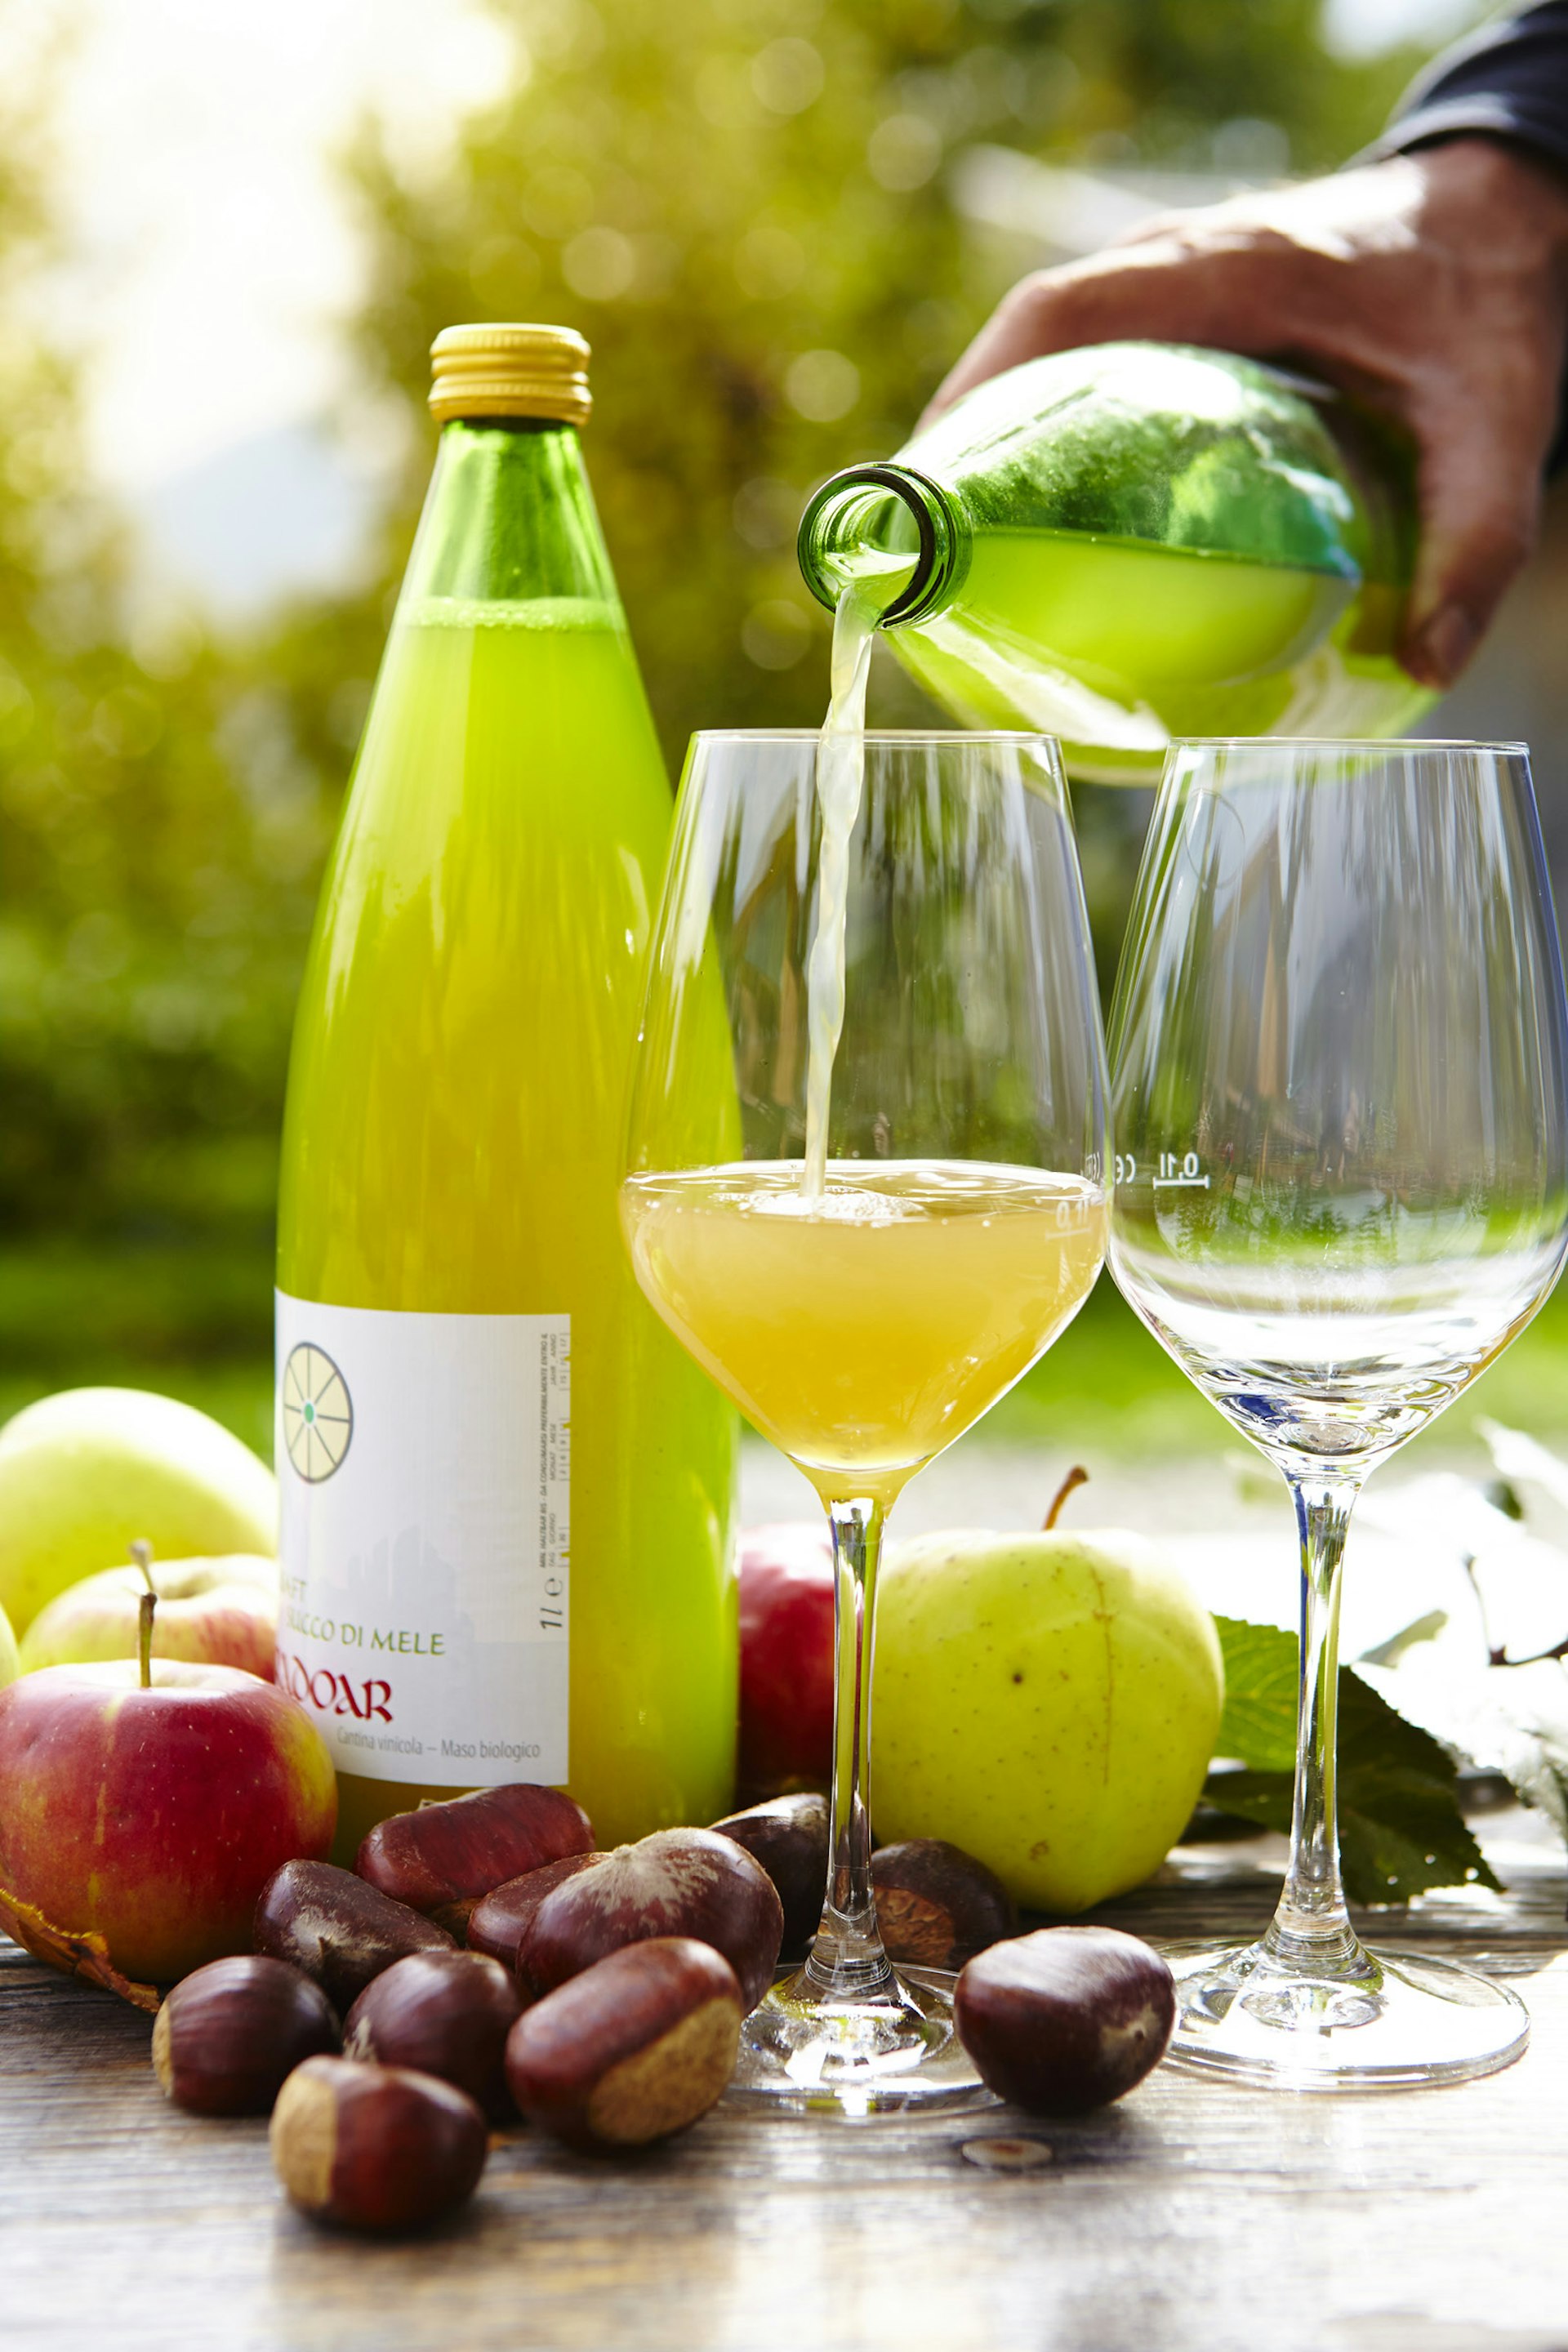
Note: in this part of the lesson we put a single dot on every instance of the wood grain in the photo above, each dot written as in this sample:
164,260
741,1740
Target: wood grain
1189,2219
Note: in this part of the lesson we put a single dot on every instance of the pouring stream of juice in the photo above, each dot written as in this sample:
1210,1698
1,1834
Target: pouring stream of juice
862,1312
840,776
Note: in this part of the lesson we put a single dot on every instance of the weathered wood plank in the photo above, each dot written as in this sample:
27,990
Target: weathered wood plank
1190,2219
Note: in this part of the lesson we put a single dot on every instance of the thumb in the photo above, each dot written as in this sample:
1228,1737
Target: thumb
1480,490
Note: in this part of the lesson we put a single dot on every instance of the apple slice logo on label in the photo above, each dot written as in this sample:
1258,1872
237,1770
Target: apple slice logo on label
318,1413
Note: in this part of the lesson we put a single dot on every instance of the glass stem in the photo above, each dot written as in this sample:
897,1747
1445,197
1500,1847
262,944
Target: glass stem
1312,1929
847,1957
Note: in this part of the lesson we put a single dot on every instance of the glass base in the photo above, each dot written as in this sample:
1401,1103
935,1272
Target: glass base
1389,2021
804,2051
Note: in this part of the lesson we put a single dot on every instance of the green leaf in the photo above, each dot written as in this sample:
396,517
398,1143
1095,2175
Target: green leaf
1258,1726
1401,1830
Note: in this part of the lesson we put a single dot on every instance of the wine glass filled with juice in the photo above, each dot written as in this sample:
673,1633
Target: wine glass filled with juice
874,950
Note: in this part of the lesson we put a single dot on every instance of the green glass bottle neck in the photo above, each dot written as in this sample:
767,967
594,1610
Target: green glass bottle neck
874,518
509,518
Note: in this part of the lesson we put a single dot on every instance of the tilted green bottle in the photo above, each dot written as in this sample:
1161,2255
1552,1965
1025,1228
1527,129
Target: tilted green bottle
507,1493
1133,541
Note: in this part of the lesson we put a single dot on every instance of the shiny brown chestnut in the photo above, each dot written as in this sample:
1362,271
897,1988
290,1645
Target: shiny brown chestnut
376,2147
637,2046
675,1883
230,2034
497,1921
1066,2018
936,1906
442,1858
444,2013
788,1835
339,1930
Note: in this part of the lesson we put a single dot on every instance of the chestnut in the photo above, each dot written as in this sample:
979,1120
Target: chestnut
675,1883
338,1929
498,1919
636,2047
442,1858
446,2013
228,2034
936,1906
1065,2018
374,2147
788,1835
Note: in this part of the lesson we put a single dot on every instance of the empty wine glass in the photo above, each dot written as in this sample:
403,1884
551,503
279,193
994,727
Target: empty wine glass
1338,1052
866,1311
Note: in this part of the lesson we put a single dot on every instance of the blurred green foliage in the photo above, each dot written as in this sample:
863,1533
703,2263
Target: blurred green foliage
159,850
747,206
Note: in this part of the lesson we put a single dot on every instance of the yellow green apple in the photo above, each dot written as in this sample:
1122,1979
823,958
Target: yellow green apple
213,1612
1048,1701
85,1473
10,1661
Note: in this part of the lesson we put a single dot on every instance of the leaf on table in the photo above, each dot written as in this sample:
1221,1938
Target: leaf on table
1258,1726
75,1953
1523,1459
1420,1629
1506,1719
1401,1829
1442,1511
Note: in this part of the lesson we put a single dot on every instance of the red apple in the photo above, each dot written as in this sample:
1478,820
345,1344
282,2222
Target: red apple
786,1658
213,1612
151,1818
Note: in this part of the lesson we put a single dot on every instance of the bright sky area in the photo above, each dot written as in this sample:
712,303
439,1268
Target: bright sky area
211,250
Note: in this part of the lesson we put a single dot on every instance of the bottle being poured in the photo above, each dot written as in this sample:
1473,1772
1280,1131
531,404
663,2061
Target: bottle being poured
1133,542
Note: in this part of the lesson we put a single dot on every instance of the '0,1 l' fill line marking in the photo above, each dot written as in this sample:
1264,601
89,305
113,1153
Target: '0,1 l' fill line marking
1180,1173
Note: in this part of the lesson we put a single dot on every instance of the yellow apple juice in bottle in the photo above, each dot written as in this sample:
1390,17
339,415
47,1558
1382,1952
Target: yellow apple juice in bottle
507,1492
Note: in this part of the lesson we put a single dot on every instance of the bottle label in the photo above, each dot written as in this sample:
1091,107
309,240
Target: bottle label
424,1463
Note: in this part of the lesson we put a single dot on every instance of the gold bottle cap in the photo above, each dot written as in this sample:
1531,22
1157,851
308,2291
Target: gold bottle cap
505,370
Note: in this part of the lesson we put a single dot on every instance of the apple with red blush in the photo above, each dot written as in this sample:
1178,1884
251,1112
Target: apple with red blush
211,1613
147,1803
786,1658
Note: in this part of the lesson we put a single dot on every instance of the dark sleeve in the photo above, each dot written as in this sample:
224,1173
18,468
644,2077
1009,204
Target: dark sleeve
1510,79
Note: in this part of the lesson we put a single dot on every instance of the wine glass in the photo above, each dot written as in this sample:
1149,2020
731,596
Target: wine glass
1339,1055
863,1318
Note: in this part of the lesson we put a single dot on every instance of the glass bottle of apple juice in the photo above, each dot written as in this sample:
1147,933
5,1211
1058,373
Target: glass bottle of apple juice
507,1493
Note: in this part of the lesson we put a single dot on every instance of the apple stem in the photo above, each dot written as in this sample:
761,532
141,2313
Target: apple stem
1076,1476
141,1553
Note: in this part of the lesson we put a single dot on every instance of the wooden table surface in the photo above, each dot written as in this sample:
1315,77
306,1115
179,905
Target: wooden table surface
1190,2218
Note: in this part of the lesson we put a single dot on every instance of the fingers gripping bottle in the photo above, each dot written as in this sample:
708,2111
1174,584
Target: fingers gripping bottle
507,1493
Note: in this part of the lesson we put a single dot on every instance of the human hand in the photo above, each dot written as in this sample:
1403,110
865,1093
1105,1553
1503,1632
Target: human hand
1432,287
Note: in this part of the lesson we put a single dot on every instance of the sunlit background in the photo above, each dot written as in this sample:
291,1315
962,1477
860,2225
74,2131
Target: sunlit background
226,237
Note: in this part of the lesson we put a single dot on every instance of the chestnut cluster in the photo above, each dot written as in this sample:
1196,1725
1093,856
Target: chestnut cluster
597,1995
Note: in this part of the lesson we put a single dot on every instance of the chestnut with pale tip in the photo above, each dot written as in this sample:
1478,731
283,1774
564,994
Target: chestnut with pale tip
441,1859
337,1929
788,1835
1066,2018
634,2048
230,2034
380,2149
497,1921
936,1906
674,1883
446,2013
